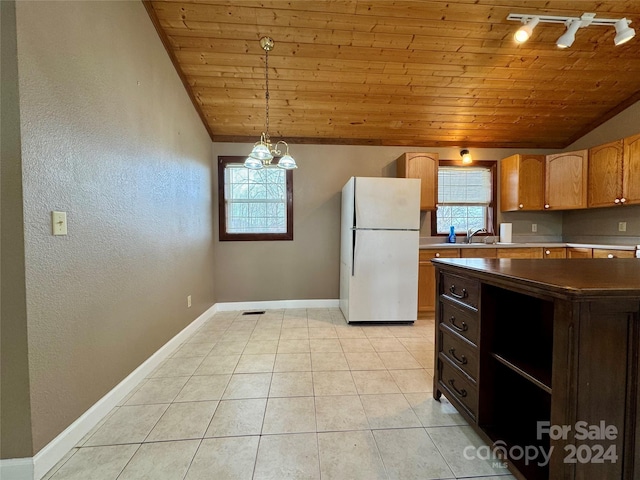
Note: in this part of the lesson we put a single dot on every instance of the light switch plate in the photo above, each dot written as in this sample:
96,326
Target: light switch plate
59,223
534,227
622,226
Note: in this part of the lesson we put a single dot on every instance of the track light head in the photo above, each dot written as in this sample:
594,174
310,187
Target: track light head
524,32
567,39
624,32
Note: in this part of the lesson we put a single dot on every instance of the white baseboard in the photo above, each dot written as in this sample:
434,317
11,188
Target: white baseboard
34,468
16,469
274,304
53,452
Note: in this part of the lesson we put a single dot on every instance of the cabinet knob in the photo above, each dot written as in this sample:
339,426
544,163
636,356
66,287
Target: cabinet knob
617,200
437,255
547,252
546,205
610,255
622,200
521,206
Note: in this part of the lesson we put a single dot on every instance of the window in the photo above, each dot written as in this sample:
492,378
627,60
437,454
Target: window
254,204
466,198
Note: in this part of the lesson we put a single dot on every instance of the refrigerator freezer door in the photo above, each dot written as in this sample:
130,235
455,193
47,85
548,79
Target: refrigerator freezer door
384,283
387,203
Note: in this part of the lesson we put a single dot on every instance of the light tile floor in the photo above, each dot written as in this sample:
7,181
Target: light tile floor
289,394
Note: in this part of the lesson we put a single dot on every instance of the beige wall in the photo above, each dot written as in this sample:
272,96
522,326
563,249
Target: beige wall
109,136
308,267
15,411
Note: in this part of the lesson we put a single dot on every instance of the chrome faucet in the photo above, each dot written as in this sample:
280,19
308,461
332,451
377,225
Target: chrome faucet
471,233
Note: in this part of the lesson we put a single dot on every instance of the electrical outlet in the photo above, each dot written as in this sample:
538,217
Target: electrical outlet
534,227
622,226
188,301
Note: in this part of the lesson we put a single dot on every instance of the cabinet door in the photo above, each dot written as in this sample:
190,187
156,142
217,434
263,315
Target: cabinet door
566,180
605,174
426,287
478,252
426,276
520,252
522,183
631,170
425,167
579,252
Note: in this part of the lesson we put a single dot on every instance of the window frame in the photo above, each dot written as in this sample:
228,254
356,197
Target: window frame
223,235
492,165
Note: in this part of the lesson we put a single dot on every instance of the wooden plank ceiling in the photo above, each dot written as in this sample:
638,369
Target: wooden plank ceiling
413,73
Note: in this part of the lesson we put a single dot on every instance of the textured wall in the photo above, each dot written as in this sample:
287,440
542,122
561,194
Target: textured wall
308,267
15,411
109,136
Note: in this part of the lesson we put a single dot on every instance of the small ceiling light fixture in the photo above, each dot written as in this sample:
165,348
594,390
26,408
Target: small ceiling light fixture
466,157
263,150
568,37
524,32
624,33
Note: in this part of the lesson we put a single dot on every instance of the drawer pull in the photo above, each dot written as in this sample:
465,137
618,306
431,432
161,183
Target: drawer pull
462,360
462,393
464,293
463,328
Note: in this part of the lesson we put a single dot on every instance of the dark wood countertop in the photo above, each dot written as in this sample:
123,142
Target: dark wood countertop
595,277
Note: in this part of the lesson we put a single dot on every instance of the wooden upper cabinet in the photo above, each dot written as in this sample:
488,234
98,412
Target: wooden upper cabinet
425,167
566,180
605,174
522,182
631,170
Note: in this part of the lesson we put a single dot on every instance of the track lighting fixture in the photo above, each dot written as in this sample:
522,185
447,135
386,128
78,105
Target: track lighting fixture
624,33
466,157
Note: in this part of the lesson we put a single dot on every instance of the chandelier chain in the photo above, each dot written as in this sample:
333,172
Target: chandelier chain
266,94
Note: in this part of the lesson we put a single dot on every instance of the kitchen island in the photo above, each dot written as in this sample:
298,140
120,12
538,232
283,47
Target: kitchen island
542,358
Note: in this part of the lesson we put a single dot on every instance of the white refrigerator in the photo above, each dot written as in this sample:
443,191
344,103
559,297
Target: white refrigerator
379,249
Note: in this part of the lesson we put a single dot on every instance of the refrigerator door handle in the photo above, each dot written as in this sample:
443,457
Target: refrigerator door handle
353,252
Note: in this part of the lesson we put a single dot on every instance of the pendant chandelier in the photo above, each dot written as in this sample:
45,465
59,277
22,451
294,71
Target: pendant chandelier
263,150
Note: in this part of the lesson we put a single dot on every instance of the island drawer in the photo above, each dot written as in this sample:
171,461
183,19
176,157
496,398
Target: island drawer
458,385
461,353
460,321
464,290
